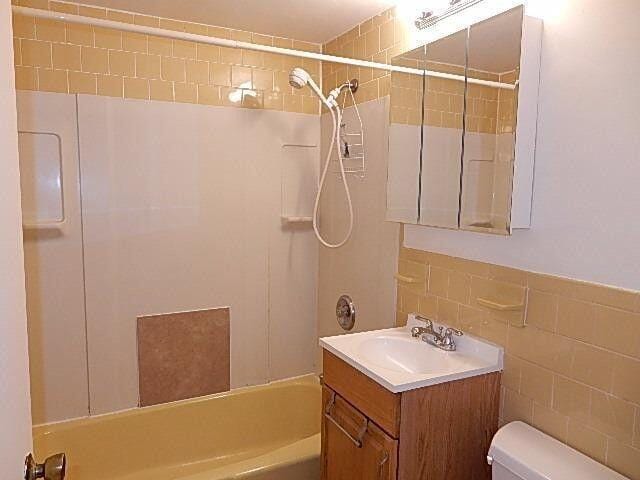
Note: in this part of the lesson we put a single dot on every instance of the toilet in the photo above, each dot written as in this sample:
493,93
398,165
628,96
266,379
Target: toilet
520,452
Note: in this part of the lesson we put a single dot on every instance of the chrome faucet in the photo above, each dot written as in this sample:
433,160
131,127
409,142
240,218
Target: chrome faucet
443,338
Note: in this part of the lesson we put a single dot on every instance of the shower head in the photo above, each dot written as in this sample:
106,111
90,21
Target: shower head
299,78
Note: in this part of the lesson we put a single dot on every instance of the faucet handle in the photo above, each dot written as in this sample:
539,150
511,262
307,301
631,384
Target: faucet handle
452,331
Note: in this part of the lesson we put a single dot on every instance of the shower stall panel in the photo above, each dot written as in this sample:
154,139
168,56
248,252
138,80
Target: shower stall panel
181,208
53,255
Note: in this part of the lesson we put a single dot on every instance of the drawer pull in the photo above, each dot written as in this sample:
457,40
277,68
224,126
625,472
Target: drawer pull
327,414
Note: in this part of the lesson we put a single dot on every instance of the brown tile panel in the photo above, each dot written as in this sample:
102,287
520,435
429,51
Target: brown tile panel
183,355
573,371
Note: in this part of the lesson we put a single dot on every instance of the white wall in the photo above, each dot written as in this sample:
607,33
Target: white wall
53,262
364,267
181,211
15,419
586,194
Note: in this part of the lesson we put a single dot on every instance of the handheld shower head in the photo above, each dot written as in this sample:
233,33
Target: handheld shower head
299,78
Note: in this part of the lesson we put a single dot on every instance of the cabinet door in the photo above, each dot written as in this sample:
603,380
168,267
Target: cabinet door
353,447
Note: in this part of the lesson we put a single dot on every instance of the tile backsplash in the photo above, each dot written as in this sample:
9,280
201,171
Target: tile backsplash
573,370
61,57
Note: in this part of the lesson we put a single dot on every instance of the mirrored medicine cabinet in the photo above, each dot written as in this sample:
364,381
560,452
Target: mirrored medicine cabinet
462,127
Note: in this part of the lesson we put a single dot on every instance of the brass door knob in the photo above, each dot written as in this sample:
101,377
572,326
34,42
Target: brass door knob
53,468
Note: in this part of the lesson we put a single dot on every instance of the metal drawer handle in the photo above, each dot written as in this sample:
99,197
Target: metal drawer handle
327,414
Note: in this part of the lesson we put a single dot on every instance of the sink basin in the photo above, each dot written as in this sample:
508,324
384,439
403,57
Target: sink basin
403,355
399,362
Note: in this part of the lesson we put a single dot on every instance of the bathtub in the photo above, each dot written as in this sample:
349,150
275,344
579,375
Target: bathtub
269,432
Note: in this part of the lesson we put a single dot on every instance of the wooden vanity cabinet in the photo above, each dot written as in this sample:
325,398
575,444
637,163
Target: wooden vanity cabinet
440,432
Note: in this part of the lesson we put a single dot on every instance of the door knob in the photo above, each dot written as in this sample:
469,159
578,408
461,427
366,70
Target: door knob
53,468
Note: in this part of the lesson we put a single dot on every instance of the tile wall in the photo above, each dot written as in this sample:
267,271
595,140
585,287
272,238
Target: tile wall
573,371
57,57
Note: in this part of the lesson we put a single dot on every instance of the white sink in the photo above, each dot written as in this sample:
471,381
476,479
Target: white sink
399,362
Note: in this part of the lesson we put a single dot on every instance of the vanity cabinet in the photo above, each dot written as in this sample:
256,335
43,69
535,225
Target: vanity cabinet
439,432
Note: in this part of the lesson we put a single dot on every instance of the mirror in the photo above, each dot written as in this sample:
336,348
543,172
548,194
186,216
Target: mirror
489,137
442,132
405,123
452,135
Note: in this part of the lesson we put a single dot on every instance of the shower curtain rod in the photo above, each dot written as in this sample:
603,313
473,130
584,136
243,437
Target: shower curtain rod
223,42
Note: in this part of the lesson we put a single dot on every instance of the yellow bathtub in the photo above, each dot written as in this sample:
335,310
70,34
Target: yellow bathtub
269,432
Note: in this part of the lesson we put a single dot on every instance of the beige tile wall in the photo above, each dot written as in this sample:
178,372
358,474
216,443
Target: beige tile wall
57,57
573,371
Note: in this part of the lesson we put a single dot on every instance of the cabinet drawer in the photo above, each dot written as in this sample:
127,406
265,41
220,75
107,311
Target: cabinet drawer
353,447
372,399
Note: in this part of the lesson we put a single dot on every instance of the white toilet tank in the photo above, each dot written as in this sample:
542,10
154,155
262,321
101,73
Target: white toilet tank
520,452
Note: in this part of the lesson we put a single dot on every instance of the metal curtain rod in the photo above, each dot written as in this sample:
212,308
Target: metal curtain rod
223,42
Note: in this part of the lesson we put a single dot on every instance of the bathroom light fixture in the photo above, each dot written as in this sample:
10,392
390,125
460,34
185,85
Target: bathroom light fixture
432,16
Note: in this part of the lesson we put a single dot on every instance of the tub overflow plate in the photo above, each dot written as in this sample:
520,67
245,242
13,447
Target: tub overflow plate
346,312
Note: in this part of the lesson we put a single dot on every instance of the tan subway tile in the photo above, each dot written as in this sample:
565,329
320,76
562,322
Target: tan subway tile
550,422
24,27
273,101
587,440
551,284
185,92
241,36
134,42
209,95
174,25
94,12
241,77
95,60
612,416
80,35
147,66
536,383
36,53
571,399
281,82
52,80
448,312
624,459
496,272
273,61
159,46
251,58
220,75
576,319
197,72
63,7
26,78
511,374
617,330
160,90
438,281
292,103
416,271
306,46
626,378
173,69
541,347
50,30
408,300
119,16
107,38
592,366
41,4
482,324
82,83
219,32
604,295
66,57
414,255
516,407
136,88
499,292
282,42
262,39
542,310
110,86
387,34
459,287
310,105
428,306
196,28
209,53
231,56
636,430
146,20
184,49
